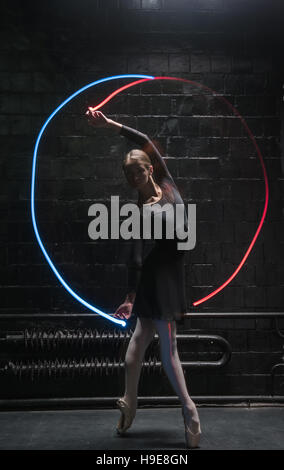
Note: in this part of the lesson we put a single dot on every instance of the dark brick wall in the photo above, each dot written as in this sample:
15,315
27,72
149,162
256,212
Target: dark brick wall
48,50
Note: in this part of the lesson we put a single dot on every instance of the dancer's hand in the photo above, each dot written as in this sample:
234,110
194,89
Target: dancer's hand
97,118
124,311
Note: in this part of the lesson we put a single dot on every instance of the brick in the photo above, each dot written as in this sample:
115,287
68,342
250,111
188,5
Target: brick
271,126
220,63
209,210
9,103
72,145
206,252
197,104
26,298
249,211
215,231
244,231
181,4
243,168
150,87
161,105
237,339
22,81
209,167
264,323
233,127
201,189
210,83
20,168
152,4
204,147
30,104
202,274
114,4
252,363
255,84
50,101
5,82
23,253
275,297
173,87
232,253
241,148
130,4
234,84
216,303
43,82
4,255
209,5
62,301
211,126
21,125
5,125
158,63
263,341
220,105
148,126
247,105
178,63
267,105
176,146
138,64
172,165
254,297
262,64
233,295
241,64
9,61
200,63
252,384
189,126
244,187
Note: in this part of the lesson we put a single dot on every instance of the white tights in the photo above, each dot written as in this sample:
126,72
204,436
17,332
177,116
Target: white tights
140,340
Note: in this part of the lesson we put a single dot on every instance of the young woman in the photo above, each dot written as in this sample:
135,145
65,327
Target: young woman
156,294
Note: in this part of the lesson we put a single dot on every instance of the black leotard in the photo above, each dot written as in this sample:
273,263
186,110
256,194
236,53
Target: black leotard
159,279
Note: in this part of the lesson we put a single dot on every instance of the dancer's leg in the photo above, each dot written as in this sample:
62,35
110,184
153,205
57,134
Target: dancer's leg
172,366
140,340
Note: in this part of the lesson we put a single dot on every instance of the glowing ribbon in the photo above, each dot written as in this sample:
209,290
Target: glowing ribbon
144,78
197,302
54,269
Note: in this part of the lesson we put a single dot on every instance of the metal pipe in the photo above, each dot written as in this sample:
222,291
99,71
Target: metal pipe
186,316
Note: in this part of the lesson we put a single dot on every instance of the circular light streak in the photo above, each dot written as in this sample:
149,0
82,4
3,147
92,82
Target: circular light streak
107,99
54,269
216,291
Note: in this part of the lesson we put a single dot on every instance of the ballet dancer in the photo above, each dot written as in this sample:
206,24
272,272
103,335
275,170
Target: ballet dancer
156,294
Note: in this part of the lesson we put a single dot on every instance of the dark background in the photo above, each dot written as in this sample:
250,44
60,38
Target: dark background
48,50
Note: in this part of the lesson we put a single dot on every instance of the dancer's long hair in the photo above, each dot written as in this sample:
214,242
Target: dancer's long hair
142,157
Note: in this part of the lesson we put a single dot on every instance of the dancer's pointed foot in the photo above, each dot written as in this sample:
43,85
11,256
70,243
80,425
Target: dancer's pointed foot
127,415
192,426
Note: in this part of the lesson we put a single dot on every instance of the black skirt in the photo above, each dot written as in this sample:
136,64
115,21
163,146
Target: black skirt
161,290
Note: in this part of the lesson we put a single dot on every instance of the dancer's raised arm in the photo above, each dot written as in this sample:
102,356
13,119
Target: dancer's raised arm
98,119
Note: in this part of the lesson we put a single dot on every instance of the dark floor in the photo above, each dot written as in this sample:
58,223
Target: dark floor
158,428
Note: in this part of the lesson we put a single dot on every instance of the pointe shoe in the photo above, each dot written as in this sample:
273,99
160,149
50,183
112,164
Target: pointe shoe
127,416
192,439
